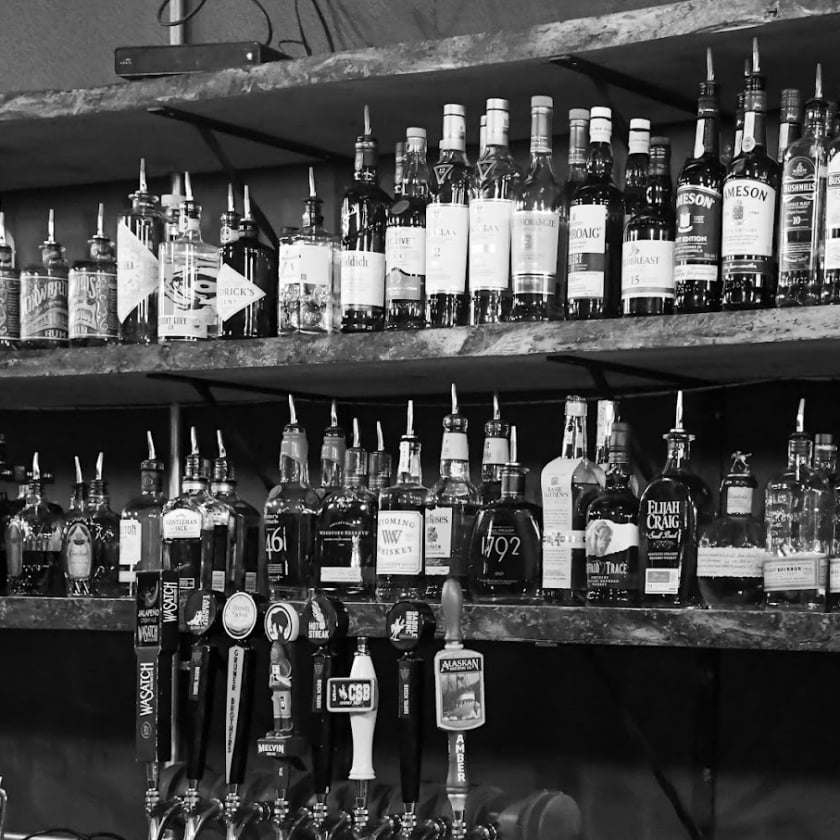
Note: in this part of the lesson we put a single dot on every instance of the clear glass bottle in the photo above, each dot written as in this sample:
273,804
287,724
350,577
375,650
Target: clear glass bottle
399,166
77,542
333,447
379,464
171,204
636,167
9,292
790,121
229,220
104,527
494,456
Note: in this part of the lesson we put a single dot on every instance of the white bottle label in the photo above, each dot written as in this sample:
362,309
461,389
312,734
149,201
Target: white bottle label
438,540
490,244
234,292
341,574
405,250
796,573
749,209
138,272
587,250
362,279
730,562
558,536
217,581
739,500
834,575
447,235
534,238
662,581
78,551
131,549
647,269
303,263
832,215
187,303
604,537
454,447
181,525
496,451
399,542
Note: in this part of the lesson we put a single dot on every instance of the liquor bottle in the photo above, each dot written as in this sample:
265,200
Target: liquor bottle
9,292
790,120
798,513
405,241
504,559
345,542
289,517
104,527
43,295
448,225
229,220
495,183
825,463
482,134
731,551
802,208
636,167
596,223
749,207
399,166
731,152
76,545
831,227
333,447
606,417
647,264
535,224
171,204
568,483
92,292
140,522
379,464
399,525
140,231
451,507
699,207
309,273
494,456
364,214
612,532
246,283
188,275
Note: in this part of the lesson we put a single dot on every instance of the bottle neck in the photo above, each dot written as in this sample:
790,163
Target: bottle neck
679,451
454,456
578,141
574,437
409,468
513,483
293,471
755,122
599,163
707,135
800,450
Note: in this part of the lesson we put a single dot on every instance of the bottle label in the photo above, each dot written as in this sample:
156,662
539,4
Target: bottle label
92,304
344,548
559,537
43,308
739,500
276,545
647,269
138,271
666,528
251,582
587,250
9,306
187,307
362,279
608,553
697,245
405,263
662,581
78,552
217,581
438,540
489,244
797,572
302,263
534,240
399,542
234,292
454,447
799,194
832,215
730,562
181,525
834,575
228,233
447,234
496,451
131,549
14,550
748,214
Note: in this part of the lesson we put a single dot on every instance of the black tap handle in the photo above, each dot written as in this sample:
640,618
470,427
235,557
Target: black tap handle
238,711
410,724
321,731
200,701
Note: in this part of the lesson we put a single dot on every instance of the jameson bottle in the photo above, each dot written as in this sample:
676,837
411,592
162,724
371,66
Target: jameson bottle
405,241
333,447
447,226
140,231
596,221
790,120
575,178
494,186
647,263
636,167
364,215
9,292
801,209
699,207
494,455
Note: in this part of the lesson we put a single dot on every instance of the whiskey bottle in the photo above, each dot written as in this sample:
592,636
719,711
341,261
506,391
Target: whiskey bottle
647,264
77,543
504,559
790,120
798,513
606,417
9,292
399,166
738,140
333,448
289,517
229,220
801,208
379,464
636,167
825,463
831,227
405,241
612,532
569,483
140,231
92,292
495,183
495,454
699,207
535,225
345,552
731,551
447,225
364,215
399,526
104,527
596,222
451,508
749,208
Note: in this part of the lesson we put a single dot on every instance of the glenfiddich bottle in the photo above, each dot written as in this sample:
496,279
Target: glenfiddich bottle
575,178
495,454
596,222
636,167
699,206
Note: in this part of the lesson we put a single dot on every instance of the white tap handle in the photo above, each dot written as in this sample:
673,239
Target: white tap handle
363,724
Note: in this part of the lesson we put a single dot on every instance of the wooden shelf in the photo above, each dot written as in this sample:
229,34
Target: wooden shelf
109,614
54,138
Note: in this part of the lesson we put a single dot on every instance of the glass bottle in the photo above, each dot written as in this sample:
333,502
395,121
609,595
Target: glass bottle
364,215
568,484
495,183
77,542
596,223
171,204
379,464
535,224
229,220
612,532
790,121
647,264
504,559
607,415
825,462
831,226
9,292
740,100
104,527
636,167
333,447
399,526
451,508
399,166
188,277
447,225
494,456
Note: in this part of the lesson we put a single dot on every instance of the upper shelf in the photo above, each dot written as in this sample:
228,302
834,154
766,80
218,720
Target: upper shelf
54,138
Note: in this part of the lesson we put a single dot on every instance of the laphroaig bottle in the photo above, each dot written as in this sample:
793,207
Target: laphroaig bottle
9,292
636,167
575,178
494,455
333,447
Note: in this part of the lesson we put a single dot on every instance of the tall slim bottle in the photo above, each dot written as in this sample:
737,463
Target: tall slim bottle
790,121
494,455
9,291
575,178
636,167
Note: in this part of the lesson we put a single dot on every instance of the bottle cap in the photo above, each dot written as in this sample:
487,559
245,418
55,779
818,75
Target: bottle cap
415,132
823,439
575,406
542,102
497,105
452,110
578,115
600,113
638,124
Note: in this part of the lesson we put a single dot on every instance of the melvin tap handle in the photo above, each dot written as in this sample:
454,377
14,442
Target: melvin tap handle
410,682
199,703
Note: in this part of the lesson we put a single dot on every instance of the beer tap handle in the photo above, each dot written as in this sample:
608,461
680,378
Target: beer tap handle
280,684
199,701
321,724
410,684
363,682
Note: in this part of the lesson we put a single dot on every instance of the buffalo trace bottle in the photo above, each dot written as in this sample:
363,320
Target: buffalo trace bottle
364,214
731,551
333,447
575,178
569,484
447,226
9,291
647,262
399,526
612,532
596,221
699,205
535,224
636,167
494,455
